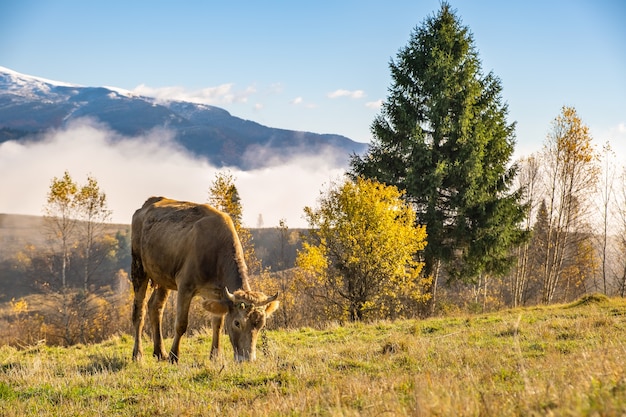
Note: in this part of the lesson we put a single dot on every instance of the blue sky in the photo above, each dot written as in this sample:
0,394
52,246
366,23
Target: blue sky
279,62
316,66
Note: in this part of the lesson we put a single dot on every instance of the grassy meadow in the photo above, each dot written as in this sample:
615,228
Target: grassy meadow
566,360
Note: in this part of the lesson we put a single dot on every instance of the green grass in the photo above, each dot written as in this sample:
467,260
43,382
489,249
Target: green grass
567,360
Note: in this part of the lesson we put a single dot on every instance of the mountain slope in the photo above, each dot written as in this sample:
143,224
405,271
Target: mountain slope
31,105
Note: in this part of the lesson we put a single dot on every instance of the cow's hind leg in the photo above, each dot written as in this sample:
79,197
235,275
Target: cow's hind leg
182,316
155,311
140,285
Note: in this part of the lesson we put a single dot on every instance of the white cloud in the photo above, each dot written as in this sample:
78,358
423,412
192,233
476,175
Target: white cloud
346,93
299,101
374,104
131,169
220,95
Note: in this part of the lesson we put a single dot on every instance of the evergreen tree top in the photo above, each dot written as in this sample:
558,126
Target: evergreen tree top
442,136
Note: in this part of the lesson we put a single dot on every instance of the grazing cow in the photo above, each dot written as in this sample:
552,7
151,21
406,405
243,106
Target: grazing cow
193,249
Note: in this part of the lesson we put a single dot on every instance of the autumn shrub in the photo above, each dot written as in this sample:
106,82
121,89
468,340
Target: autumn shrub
363,252
65,318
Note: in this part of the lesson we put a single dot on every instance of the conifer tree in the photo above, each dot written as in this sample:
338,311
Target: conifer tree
223,195
442,136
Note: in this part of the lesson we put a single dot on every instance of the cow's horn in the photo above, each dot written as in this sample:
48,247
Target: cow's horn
268,300
228,295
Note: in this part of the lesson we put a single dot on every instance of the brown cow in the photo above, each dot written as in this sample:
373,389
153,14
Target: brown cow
194,249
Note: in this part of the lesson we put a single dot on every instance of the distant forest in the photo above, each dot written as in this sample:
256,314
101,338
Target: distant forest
27,255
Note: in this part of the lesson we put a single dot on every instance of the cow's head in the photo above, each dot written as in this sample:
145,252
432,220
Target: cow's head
247,313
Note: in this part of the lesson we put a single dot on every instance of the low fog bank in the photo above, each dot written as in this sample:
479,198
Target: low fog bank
131,169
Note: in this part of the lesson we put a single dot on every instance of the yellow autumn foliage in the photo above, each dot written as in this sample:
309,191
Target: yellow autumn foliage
363,248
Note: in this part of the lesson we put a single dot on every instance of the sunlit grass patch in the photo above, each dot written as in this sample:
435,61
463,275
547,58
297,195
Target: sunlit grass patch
558,360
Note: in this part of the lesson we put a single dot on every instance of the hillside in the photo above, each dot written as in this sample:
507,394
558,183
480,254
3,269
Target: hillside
19,232
562,360
31,105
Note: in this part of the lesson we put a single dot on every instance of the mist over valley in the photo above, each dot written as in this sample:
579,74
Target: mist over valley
137,147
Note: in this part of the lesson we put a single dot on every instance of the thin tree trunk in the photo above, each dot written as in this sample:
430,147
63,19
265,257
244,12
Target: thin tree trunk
623,284
433,300
519,282
485,280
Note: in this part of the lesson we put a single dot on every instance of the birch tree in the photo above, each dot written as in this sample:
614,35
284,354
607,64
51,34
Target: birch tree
75,215
527,180
571,174
91,204
607,197
60,217
620,197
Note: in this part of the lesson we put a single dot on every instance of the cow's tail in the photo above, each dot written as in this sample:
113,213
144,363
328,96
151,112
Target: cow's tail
137,274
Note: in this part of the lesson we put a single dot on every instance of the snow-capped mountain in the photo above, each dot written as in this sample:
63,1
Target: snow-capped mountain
31,105
27,85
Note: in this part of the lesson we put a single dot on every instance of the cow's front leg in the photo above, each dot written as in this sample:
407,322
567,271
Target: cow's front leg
182,317
155,311
217,323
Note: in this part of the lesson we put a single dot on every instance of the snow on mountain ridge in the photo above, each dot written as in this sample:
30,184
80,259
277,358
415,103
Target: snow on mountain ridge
17,76
30,86
122,92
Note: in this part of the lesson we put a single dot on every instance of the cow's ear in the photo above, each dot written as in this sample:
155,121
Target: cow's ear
215,307
271,307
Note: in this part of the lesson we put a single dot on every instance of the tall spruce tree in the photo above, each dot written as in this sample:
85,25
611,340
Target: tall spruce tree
442,136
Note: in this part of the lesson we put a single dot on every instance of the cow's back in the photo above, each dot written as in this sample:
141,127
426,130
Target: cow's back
169,235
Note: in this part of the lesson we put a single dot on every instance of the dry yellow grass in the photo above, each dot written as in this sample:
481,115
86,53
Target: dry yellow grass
563,360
